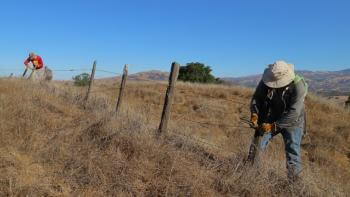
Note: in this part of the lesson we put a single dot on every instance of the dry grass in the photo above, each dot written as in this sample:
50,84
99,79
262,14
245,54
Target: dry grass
51,146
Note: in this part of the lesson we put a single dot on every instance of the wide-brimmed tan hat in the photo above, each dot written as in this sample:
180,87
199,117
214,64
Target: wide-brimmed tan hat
278,74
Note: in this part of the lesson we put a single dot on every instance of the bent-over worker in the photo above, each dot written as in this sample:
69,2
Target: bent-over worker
37,65
277,107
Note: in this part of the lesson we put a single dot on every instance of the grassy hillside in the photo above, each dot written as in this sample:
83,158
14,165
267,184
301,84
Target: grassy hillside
51,146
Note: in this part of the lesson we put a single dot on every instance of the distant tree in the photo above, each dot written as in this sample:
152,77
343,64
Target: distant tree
82,79
198,73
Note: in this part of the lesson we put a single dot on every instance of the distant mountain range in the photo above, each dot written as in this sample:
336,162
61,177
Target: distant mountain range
323,82
152,75
329,83
155,75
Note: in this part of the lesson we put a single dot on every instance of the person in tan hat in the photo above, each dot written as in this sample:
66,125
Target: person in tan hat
277,107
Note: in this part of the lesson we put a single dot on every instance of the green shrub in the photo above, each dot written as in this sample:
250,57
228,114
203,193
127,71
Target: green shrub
82,79
198,73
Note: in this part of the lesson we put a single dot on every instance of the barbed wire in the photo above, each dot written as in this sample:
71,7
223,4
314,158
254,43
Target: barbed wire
106,71
69,70
232,101
64,70
99,91
17,69
199,140
147,65
182,117
217,124
202,140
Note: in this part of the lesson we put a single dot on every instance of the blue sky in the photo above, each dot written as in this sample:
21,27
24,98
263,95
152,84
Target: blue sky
235,38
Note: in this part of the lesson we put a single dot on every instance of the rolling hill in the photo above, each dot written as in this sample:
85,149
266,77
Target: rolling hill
323,82
328,83
155,75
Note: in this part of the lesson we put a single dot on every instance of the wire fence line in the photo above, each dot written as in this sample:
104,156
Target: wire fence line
69,70
199,140
59,68
87,70
58,74
206,124
106,71
102,91
216,124
202,124
9,70
244,121
184,117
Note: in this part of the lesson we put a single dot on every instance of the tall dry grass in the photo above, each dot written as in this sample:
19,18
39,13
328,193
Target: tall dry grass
50,145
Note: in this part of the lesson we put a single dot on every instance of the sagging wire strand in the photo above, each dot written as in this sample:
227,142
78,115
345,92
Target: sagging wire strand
183,117
199,140
69,70
106,71
217,124
204,141
65,69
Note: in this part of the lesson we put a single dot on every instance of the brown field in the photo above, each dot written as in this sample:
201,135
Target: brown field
51,146
340,100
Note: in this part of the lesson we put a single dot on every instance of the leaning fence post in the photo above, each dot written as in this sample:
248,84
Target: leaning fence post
122,87
168,98
90,82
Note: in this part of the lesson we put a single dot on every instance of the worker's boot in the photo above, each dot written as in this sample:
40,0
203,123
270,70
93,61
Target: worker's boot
294,176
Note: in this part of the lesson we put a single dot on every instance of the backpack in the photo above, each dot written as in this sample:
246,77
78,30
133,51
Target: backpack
297,79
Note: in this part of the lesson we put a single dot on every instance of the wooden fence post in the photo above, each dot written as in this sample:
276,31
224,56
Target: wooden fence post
122,88
90,82
347,103
168,98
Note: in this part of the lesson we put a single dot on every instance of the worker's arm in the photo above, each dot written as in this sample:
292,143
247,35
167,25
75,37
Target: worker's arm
258,98
26,62
292,113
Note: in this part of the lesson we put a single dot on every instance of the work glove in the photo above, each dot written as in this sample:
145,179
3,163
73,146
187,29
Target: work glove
267,127
35,64
254,120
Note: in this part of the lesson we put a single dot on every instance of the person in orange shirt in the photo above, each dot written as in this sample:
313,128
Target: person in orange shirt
37,64
36,61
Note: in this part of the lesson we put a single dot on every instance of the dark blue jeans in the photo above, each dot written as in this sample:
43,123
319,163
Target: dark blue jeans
292,140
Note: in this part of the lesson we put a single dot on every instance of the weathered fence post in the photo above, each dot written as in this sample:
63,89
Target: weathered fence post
347,103
168,98
90,82
122,87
